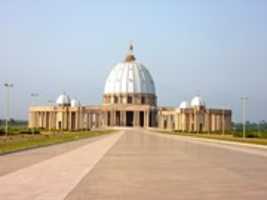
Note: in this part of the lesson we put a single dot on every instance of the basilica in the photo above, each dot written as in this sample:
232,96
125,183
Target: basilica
130,100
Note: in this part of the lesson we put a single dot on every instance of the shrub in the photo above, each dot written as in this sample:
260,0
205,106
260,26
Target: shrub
2,131
251,135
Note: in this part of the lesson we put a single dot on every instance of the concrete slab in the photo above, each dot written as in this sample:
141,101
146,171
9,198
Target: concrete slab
55,177
148,166
18,160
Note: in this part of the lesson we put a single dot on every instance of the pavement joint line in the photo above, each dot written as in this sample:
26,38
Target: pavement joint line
54,178
236,146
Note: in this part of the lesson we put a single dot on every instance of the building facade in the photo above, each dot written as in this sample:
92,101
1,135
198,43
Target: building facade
129,100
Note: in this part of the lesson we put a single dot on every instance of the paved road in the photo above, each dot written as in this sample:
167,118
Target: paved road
142,165
54,178
151,166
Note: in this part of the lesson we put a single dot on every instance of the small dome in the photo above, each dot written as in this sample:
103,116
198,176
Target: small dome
184,105
197,101
63,100
74,103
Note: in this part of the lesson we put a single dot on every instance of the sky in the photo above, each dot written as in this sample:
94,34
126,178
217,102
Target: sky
216,49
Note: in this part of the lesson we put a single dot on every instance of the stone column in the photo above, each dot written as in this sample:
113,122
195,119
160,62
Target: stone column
63,121
75,120
45,116
49,120
52,120
136,119
146,118
111,118
123,118
42,118
30,115
55,119
89,120
105,119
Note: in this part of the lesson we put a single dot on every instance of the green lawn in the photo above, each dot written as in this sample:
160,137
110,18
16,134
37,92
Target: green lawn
26,141
227,137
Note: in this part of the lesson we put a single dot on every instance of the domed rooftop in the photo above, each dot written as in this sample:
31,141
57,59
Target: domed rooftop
184,104
129,77
197,101
74,103
63,100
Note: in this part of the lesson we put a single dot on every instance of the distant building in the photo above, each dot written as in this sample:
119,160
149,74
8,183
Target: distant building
129,100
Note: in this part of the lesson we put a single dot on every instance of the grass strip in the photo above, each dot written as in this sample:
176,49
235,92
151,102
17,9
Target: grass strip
228,137
28,141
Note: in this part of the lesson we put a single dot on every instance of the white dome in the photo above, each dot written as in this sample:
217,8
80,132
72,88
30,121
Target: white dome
74,103
129,77
63,99
197,101
184,104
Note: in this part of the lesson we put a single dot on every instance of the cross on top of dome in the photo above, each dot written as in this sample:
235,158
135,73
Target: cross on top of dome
130,56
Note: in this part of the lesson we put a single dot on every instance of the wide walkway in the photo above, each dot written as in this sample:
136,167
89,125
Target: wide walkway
138,164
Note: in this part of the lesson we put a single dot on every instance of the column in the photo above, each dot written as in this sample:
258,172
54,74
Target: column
136,119
146,119
123,118
89,126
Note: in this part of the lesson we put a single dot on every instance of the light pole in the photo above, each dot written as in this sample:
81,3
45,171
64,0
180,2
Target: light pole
7,86
33,95
243,101
223,121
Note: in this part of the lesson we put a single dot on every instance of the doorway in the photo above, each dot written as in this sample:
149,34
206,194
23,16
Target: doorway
200,127
129,118
118,118
141,118
73,120
108,118
59,125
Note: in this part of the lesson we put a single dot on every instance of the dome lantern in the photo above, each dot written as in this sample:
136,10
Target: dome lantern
130,56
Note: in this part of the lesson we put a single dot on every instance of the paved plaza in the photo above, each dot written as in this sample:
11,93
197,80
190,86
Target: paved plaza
136,164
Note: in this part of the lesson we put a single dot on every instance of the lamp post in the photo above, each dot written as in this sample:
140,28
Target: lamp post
223,121
7,86
33,95
243,101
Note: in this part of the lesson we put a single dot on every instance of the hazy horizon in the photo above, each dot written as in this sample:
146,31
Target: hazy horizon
213,48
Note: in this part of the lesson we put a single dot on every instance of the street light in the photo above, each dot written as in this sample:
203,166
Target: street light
33,95
223,121
7,86
243,101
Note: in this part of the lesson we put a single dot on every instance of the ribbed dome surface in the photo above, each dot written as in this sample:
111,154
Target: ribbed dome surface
184,104
63,99
197,101
129,77
74,103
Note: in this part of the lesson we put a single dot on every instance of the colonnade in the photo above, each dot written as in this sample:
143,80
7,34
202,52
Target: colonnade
195,121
